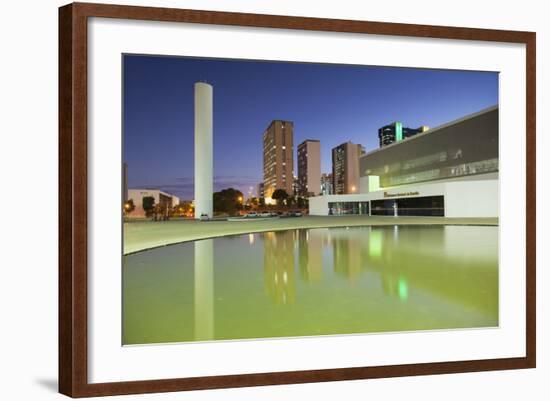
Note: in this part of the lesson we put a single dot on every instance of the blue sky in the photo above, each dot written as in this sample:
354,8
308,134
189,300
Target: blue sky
329,102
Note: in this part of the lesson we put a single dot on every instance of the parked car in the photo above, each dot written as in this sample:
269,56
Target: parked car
296,213
204,217
251,214
265,214
274,214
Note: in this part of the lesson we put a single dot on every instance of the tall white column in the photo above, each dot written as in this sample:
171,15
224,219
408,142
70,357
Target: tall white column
204,162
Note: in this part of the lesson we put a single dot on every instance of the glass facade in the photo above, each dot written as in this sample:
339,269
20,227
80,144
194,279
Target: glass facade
421,206
341,208
463,148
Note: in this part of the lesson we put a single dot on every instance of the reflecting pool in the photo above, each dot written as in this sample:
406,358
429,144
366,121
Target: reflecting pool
313,282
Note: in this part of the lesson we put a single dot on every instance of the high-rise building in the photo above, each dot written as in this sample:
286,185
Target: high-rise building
345,168
326,184
261,190
294,186
278,157
309,168
395,132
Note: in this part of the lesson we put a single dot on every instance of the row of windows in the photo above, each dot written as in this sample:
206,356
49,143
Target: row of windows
341,208
469,146
480,167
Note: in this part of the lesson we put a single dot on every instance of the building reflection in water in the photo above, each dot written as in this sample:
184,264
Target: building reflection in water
347,253
384,247
310,247
375,243
395,286
387,255
279,278
394,254
204,289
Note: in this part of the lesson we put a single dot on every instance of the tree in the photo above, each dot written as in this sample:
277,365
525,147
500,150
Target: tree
302,202
148,203
185,208
161,211
291,200
279,195
261,201
228,200
129,206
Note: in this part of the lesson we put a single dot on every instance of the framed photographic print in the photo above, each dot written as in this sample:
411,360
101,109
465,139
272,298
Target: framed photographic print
254,199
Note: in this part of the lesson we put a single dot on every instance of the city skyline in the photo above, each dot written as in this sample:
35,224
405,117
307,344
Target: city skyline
331,103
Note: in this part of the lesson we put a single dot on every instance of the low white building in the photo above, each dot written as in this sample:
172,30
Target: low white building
160,197
449,171
461,198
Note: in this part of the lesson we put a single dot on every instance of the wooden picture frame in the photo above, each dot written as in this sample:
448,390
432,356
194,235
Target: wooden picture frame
73,191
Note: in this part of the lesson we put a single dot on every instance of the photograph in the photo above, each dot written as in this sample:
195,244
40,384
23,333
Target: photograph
271,199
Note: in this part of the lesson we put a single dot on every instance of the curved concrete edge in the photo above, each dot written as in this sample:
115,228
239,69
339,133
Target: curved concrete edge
233,230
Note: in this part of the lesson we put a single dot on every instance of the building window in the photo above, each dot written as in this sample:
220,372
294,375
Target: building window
342,208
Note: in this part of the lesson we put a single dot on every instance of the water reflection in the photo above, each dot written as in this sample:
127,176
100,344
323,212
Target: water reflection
347,252
279,266
395,286
310,248
309,282
204,289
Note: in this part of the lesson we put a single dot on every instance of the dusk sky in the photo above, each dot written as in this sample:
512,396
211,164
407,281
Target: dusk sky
331,103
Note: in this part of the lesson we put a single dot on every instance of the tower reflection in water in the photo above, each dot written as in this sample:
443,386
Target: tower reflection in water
204,289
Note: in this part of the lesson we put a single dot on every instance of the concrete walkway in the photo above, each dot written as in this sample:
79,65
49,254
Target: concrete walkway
142,235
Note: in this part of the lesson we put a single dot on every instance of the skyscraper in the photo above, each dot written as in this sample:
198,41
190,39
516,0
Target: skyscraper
345,168
260,190
278,157
326,184
309,168
395,132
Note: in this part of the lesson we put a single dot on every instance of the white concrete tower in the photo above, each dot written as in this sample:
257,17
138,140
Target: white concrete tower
204,150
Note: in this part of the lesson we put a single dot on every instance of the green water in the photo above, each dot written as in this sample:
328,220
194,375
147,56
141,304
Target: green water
313,282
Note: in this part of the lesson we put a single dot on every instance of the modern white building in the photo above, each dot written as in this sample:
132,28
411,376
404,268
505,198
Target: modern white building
160,197
450,171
